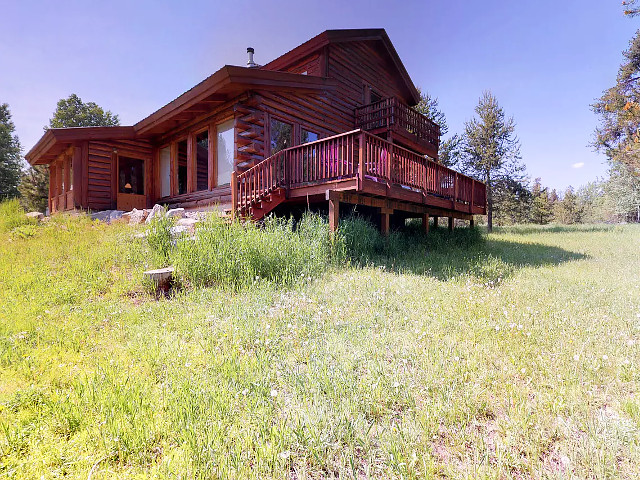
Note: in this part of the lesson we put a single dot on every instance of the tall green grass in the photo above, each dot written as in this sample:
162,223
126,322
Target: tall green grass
12,215
241,254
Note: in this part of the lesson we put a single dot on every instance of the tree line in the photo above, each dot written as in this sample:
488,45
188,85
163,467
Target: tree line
31,183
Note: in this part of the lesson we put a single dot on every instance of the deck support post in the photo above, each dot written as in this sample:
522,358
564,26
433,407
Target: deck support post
451,220
472,223
425,223
435,221
384,224
334,210
385,217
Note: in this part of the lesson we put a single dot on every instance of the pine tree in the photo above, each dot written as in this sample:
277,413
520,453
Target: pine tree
541,204
567,211
34,188
618,135
491,151
449,151
10,159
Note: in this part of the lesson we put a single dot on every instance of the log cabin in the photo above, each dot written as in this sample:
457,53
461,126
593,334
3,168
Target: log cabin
328,123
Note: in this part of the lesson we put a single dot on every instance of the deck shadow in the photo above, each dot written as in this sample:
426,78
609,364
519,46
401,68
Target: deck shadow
463,253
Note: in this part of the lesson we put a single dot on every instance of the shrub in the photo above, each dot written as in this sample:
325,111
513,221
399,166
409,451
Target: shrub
159,238
239,254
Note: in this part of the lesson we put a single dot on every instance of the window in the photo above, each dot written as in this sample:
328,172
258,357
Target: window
280,135
202,161
307,136
374,96
130,175
165,171
182,167
225,152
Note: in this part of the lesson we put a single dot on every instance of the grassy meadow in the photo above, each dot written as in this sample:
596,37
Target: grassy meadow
466,355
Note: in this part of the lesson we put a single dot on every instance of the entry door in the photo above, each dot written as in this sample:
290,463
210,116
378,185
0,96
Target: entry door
131,186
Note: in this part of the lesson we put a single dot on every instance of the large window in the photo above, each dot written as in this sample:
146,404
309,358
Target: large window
165,171
202,161
182,167
130,175
281,134
307,136
225,152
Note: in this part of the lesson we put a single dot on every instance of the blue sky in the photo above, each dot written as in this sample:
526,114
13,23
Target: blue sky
546,61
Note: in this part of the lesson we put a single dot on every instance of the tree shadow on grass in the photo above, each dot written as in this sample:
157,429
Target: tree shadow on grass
542,229
447,255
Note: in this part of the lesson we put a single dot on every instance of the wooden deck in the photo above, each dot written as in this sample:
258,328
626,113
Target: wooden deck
357,167
392,118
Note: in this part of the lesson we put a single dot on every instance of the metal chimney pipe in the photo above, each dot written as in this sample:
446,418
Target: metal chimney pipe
250,62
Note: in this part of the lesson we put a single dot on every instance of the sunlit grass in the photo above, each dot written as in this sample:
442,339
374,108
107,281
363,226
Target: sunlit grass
515,356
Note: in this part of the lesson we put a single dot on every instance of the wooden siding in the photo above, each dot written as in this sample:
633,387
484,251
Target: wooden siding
101,170
309,64
356,65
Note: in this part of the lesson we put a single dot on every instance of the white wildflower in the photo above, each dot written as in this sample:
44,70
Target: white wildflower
274,393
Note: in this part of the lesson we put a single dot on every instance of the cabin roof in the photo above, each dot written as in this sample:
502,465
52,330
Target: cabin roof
347,35
56,140
222,86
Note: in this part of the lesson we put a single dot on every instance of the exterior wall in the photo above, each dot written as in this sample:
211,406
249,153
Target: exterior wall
215,193
357,66
101,171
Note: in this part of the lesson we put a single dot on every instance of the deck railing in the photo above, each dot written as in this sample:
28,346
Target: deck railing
392,112
337,158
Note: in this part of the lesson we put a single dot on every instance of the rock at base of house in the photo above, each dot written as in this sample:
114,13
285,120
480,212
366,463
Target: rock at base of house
156,210
176,213
136,216
190,223
107,216
35,215
115,215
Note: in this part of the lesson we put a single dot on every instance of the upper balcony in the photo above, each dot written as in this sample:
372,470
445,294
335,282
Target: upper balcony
398,121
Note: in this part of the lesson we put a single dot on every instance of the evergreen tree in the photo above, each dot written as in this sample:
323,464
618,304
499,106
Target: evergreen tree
34,188
631,7
491,151
449,151
70,112
10,159
618,135
512,201
566,211
541,204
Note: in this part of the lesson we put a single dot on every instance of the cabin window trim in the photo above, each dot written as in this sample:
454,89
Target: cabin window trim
216,128
159,175
194,157
176,142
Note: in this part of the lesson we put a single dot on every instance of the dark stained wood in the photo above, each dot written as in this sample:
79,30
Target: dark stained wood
323,86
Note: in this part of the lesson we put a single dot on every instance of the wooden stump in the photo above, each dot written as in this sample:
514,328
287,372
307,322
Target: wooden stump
162,279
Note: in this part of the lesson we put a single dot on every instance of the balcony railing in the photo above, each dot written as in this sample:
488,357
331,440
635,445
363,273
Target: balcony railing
393,114
353,155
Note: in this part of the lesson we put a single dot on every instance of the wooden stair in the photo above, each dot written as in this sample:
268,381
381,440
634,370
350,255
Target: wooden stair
262,207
